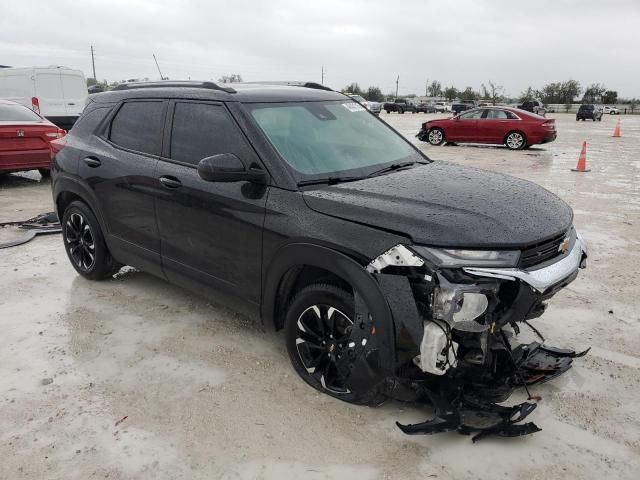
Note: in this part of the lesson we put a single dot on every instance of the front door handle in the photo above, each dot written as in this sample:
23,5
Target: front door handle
170,182
92,162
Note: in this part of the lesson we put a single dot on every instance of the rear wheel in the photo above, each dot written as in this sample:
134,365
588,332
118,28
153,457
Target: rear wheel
515,140
84,243
318,330
435,136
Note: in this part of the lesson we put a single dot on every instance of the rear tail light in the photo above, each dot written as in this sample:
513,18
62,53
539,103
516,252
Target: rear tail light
35,105
550,124
57,145
59,134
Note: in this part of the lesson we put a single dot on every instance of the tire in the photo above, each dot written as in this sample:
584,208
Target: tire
515,140
45,172
84,243
308,339
577,119
435,136
400,110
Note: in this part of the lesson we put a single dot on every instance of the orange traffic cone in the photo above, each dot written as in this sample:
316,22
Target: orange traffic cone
582,160
616,131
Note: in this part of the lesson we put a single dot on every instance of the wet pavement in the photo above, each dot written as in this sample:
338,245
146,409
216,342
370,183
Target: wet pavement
136,378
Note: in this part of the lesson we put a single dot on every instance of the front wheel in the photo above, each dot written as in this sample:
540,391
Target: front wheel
318,328
515,141
435,136
84,243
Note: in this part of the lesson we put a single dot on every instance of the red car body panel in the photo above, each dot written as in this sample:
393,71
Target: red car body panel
26,145
461,129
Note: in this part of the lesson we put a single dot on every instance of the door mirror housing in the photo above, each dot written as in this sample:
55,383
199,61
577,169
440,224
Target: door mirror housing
226,167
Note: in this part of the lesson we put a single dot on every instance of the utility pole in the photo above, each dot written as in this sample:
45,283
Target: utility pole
322,82
158,66
397,81
93,64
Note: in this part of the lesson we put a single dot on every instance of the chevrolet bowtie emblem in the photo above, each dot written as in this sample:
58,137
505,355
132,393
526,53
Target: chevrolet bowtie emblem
564,246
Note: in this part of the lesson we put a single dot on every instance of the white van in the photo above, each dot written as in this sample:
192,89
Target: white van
57,93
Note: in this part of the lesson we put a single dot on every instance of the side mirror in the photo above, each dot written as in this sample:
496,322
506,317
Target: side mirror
226,167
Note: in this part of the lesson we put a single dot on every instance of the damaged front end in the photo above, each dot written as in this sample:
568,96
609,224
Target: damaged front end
457,316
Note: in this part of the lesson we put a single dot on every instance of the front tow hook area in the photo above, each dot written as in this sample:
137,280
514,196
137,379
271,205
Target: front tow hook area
458,408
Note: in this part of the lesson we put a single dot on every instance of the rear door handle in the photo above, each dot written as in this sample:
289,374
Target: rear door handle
170,182
92,162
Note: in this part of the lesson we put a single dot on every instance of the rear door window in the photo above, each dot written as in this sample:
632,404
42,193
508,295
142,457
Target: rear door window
138,126
496,115
202,130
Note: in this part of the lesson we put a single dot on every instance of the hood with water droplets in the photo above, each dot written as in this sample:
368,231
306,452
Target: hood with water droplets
445,204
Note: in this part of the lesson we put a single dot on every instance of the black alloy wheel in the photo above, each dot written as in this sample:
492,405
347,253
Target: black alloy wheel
80,242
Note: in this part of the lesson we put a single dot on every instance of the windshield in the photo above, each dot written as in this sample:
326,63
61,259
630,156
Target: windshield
328,139
17,113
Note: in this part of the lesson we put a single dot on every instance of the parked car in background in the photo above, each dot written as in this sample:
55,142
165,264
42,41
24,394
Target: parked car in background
533,106
373,107
56,93
426,108
462,106
442,107
610,110
589,112
512,127
297,207
25,139
400,105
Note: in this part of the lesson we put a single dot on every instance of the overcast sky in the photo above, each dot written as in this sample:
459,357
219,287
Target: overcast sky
461,43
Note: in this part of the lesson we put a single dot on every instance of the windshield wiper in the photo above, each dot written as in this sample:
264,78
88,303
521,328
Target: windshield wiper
328,180
390,168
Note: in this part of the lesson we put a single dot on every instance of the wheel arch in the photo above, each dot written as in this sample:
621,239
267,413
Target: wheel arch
294,266
66,190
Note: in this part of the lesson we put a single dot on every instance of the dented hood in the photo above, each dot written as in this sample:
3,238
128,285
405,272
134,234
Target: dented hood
444,204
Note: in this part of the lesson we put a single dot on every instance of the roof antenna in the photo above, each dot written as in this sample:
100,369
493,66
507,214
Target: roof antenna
156,60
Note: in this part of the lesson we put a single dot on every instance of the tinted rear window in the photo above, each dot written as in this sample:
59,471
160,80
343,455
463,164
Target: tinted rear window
138,126
17,113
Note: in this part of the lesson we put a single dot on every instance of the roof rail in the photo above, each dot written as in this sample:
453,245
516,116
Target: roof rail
317,86
173,84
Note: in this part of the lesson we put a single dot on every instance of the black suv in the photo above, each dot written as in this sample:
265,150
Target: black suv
391,275
590,112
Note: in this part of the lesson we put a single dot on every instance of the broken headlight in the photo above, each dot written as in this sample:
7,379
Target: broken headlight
452,258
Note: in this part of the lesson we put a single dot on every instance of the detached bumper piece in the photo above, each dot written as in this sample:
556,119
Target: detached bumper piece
17,233
539,363
459,408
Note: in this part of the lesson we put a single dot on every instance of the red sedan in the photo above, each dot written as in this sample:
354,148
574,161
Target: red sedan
511,127
25,139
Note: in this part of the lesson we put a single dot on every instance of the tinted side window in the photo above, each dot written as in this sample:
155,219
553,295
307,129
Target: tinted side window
201,130
510,115
88,121
138,126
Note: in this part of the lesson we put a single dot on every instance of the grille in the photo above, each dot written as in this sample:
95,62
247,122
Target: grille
541,252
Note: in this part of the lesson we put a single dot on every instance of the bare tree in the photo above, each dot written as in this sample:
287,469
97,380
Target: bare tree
494,92
233,78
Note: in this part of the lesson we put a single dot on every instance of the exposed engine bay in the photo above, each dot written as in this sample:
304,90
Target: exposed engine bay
457,346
